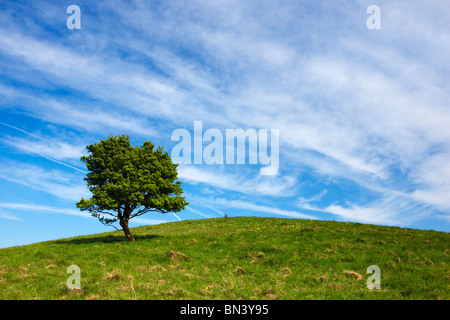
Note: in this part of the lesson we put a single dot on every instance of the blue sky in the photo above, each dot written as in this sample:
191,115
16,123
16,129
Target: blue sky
363,115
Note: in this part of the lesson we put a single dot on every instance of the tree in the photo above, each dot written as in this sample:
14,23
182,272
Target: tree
127,182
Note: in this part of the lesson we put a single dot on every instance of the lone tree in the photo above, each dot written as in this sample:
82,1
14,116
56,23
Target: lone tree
127,182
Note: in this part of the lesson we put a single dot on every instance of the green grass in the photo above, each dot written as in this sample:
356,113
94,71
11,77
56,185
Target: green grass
234,258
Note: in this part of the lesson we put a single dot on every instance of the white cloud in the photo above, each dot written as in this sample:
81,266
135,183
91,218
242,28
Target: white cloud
55,182
395,209
317,197
199,212
73,212
246,205
244,183
9,216
47,209
147,221
55,148
432,176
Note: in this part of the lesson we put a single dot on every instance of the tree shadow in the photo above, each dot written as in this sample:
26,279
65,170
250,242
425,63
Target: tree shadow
105,239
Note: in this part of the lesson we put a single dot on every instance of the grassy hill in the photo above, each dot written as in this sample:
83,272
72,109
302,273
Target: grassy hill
234,258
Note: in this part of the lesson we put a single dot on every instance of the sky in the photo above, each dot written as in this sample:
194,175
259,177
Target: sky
362,115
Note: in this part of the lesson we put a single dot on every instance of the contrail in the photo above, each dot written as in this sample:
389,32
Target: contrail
59,162
18,129
199,213
176,216
223,214
40,138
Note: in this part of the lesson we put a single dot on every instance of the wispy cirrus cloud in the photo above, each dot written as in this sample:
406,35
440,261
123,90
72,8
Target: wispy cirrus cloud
251,206
393,210
9,216
59,210
39,208
52,149
244,183
55,182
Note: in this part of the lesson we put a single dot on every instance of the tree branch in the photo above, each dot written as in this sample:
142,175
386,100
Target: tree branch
110,225
143,211
109,213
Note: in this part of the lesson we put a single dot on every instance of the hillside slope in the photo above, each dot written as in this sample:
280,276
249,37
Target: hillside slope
234,258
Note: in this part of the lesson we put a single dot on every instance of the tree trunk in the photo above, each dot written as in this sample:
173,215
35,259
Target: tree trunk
126,230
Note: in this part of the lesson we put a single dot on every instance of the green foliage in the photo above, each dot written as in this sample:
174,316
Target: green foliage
127,181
